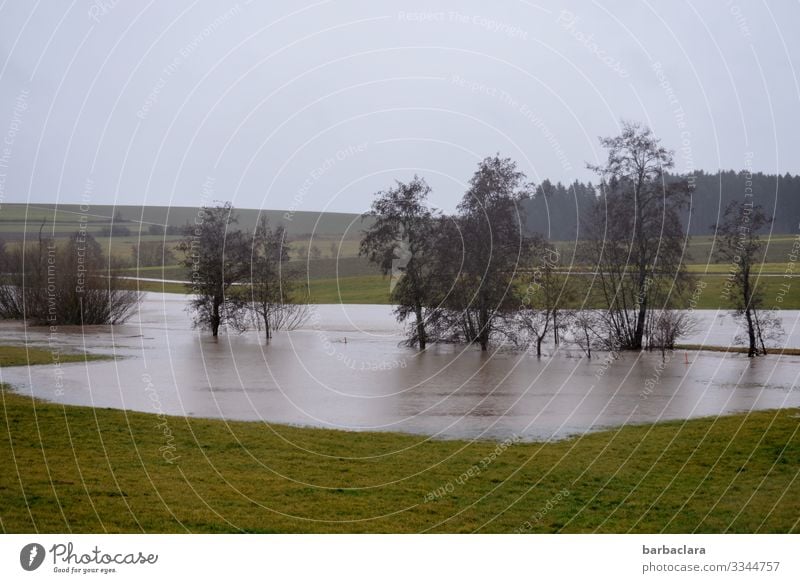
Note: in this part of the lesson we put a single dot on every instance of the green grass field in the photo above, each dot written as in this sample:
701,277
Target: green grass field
699,249
777,251
723,268
83,470
325,268
349,290
374,289
367,289
735,349
21,356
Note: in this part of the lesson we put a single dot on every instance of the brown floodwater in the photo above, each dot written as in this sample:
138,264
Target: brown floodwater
346,369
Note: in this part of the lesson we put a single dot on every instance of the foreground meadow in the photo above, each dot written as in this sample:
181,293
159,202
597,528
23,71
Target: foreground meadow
84,470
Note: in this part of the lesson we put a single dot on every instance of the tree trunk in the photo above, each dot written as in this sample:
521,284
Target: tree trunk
555,327
483,331
751,333
421,337
639,332
215,319
640,242
539,345
759,335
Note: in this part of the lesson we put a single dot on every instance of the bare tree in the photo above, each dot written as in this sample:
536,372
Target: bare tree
71,284
738,244
668,326
587,326
275,298
635,237
216,257
542,299
768,328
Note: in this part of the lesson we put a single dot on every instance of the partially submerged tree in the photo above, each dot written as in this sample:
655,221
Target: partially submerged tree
496,246
738,244
635,240
88,292
23,295
276,300
667,327
402,242
68,284
542,300
217,259
587,327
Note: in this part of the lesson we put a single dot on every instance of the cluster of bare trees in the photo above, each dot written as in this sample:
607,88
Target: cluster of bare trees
478,276
453,276
68,284
240,280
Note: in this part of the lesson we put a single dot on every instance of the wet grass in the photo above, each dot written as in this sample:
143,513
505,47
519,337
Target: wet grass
22,356
79,469
736,349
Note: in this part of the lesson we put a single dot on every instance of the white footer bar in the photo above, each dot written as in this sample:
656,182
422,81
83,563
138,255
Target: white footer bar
406,558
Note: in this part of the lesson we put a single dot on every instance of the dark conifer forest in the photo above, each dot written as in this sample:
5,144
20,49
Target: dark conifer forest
558,211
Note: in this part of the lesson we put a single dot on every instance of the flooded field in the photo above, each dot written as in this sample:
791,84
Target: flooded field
345,369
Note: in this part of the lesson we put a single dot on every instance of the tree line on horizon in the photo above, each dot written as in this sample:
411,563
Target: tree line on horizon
563,212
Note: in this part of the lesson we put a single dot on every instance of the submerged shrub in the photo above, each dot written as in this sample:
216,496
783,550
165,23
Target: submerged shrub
70,284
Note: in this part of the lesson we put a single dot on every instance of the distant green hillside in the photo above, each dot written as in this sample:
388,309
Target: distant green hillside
15,219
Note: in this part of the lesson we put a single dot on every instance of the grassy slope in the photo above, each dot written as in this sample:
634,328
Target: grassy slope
102,470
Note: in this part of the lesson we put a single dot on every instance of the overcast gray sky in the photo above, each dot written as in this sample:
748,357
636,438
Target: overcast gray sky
313,106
